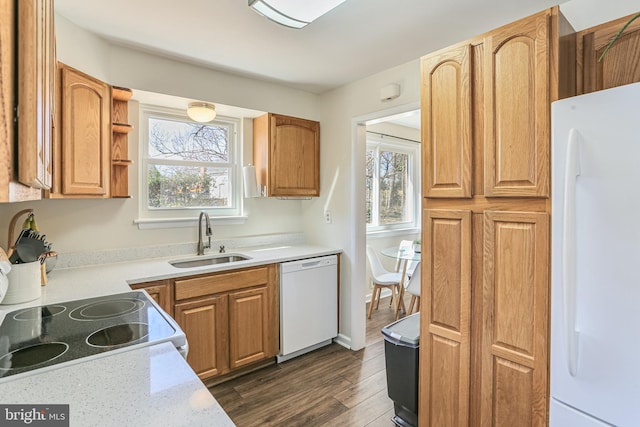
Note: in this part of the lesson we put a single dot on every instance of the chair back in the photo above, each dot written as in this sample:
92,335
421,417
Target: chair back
406,245
413,285
377,269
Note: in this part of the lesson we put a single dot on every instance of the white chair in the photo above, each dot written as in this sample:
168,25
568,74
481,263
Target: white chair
381,278
413,288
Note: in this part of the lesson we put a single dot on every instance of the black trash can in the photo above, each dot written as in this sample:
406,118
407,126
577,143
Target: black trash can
402,350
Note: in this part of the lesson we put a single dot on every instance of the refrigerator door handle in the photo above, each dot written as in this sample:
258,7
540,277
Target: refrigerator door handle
572,171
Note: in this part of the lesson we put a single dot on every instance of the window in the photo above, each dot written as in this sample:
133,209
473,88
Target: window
392,183
188,166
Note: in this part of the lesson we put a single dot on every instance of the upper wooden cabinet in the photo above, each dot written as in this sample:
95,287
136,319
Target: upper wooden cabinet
517,108
82,152
486,111
36,76
620,64
286,154
446,106
26,83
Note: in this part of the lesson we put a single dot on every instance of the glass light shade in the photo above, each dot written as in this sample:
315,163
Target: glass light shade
293,13
201,112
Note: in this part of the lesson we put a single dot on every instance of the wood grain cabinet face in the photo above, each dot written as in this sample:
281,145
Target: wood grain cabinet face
204,322
517,109
620,64
445,319
515,318
161,293
230,318
286,153
248,326
84,162
36,76
446,132
484,333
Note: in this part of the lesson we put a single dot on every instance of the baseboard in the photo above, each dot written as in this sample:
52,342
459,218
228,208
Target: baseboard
343,340
283,358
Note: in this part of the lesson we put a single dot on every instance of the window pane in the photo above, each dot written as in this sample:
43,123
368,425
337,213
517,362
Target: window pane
393,187
188,187
368,186
175,140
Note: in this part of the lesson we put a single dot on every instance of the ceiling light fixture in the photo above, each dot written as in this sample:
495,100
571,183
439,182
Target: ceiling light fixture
201,112
293,13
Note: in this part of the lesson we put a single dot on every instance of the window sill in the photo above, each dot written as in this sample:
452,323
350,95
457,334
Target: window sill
156,223
392,233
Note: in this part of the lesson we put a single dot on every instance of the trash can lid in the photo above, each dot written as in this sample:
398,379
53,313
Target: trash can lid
405,331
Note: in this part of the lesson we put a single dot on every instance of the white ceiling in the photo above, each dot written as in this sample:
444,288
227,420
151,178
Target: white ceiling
357,39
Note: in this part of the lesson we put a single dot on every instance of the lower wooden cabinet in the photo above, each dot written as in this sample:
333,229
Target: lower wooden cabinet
484,324
248,326
205,322
230,318
160,291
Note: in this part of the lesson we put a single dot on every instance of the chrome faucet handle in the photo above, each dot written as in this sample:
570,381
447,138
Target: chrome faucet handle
222,250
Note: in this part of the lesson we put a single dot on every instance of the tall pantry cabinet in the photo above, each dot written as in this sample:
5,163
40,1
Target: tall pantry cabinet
486,139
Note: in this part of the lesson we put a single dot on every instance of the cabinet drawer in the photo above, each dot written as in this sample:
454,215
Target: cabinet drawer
220,282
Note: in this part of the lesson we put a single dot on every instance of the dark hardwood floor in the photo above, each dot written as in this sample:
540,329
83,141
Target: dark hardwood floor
331,386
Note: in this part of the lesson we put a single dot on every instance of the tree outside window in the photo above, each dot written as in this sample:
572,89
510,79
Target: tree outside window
390,196
189,165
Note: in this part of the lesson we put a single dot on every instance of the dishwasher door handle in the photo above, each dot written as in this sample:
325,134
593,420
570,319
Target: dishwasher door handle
309,264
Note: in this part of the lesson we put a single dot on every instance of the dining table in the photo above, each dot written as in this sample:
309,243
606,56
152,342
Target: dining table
404,255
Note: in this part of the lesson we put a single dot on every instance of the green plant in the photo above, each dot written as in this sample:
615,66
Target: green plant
617,36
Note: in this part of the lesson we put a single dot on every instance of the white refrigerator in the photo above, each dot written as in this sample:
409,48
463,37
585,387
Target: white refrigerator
595,280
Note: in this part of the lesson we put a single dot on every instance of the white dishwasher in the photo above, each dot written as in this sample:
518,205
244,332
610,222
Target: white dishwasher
308,305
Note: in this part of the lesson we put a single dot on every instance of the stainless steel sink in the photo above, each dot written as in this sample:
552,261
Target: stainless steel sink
208,260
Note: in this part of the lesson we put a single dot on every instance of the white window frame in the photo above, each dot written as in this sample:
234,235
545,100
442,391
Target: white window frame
378,142
184,217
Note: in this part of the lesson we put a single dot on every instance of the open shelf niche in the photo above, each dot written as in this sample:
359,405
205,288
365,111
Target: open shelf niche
120,142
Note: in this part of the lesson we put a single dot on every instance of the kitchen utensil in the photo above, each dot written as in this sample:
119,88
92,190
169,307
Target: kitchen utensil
30,248
51,257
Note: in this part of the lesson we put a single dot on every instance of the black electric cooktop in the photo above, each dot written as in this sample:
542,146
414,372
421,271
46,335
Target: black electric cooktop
47,335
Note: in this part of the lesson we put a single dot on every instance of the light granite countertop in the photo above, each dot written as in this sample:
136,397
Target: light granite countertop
150,386
146,386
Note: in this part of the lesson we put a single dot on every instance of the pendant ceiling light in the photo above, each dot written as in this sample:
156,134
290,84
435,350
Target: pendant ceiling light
293,13
201,112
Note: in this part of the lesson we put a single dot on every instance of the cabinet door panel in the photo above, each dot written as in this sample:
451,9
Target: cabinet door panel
515,318
619,66
205,324
294,157
517,109
446,116
248,326
445,322
160,291
86,134
36,65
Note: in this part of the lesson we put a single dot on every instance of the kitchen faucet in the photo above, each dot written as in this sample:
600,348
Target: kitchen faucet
201,246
